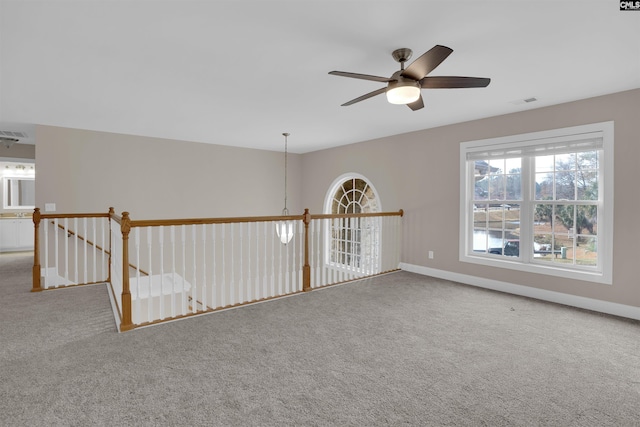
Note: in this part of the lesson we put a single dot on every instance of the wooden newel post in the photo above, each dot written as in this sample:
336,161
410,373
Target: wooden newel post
36,272
125,226
306,269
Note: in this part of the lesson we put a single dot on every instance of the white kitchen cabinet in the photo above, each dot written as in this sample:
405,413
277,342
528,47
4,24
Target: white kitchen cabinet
16,234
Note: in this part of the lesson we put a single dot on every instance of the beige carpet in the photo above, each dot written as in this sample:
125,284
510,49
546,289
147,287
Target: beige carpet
400,349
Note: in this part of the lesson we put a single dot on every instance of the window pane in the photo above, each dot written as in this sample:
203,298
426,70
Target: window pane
481,191
495,241
542,218
563,219
544,186
480,216
565,185
544,163
587,160
587,185
513,165
480,237
543,247
496,166
514,186
496,187
564,162
586,219
587,251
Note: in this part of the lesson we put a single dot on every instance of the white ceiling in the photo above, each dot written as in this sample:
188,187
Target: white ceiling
241,72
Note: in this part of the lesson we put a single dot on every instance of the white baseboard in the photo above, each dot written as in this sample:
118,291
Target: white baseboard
613,308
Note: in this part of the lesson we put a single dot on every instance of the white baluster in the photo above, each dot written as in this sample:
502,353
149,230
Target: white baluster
75,249
205,301
280,278
85,274
300,256
66,248
214,288
286,250
161,243
94,248
250,296
256,280
136,289
273,256
353,263
183,239
265,282
150,315
195,273
313,252
223,286
318,226
46,254
323,249
104,249
382,264
372,242
233,292
174,278
241,298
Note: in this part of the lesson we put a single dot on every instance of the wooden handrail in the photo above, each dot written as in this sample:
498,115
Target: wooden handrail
228,220
201,221
357,215
79,215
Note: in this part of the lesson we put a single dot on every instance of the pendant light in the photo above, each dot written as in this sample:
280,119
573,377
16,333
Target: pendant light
284,229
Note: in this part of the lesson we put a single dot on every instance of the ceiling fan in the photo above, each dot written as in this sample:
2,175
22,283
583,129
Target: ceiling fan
403,87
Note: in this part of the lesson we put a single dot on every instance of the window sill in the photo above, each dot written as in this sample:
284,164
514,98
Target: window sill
548,270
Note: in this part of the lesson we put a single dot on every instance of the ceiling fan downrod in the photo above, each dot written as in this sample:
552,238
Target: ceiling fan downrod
402,55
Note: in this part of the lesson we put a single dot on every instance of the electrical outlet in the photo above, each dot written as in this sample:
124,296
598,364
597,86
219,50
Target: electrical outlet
430,254
49,207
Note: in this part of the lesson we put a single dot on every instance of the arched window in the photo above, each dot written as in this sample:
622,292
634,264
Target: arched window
352,243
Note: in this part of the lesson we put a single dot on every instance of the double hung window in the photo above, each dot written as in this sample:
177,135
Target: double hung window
540,202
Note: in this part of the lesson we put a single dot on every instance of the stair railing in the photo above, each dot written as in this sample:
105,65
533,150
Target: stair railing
161,270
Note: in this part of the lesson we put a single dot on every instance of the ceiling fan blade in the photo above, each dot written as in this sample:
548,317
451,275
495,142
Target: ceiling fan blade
367,96
360,76
427,62
416,105
448,82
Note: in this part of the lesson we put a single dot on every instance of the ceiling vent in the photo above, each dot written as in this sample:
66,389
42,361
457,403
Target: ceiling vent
7,142
13,134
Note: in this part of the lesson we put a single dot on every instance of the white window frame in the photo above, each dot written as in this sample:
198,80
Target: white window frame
375,222
603,272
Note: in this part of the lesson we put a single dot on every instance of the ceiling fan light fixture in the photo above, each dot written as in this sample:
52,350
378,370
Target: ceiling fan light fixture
403,92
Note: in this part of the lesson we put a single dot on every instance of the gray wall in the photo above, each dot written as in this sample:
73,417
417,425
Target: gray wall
419,172
151,178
